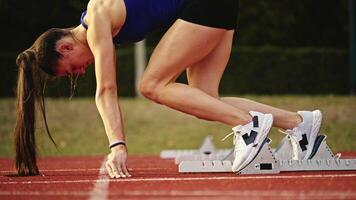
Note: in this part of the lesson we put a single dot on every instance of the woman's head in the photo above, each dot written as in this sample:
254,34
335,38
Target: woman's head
59,53
44,48
75,57
56,53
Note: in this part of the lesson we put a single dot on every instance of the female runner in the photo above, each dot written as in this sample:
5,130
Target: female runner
198,40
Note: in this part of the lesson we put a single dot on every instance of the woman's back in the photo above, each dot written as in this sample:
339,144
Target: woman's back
143,16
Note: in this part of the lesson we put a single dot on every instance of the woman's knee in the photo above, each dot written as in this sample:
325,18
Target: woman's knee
149,89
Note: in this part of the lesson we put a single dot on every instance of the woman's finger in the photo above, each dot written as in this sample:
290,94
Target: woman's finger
121,172
125,171
108,168
116,170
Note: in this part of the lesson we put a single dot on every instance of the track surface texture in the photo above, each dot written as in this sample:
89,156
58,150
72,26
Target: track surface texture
154,178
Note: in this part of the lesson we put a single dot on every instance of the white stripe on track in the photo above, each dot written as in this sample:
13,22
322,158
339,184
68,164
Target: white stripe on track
101,186
56,170
83,170
254,194
132,179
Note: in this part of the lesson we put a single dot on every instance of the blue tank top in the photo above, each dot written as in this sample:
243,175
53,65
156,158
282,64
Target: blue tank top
144,16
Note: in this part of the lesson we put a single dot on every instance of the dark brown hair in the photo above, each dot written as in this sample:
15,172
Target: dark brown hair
40,57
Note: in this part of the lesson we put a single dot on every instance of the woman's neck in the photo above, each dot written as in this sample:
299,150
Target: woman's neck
80,34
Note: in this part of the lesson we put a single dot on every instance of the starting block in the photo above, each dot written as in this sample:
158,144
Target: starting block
207,151
269,161
321,159
264,161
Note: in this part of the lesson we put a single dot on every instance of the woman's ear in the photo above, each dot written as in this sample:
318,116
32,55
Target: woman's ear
64,46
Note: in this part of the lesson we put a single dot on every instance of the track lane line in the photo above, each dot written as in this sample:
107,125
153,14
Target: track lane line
320,194
132,179
101,186
83,170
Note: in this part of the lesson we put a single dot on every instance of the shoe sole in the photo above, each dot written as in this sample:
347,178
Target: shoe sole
317,117
267,124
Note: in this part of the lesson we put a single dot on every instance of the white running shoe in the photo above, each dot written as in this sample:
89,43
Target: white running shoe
303,136
249,138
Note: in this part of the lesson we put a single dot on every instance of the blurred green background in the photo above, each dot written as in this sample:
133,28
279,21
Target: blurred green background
296,51
78,130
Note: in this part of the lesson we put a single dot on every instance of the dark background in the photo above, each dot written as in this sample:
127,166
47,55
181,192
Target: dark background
281,46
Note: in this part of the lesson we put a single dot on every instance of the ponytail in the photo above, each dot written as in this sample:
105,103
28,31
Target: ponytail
24,132
35,64
30,90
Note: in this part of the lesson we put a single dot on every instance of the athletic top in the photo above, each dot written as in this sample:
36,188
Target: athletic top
144,16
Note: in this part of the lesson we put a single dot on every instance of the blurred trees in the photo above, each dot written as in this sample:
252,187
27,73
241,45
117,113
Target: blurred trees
23,21
321,23
286,23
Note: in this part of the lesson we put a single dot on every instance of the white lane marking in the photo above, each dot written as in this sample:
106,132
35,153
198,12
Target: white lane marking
84,170
101,186
324,194
57,170
132,179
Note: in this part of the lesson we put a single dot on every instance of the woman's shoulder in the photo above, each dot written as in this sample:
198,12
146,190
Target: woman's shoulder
105,5
113,9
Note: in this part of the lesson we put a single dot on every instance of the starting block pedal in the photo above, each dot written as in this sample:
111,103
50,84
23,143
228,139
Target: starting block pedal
264,161
268,161
321,159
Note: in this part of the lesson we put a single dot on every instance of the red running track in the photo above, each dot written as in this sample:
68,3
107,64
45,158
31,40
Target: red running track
154,178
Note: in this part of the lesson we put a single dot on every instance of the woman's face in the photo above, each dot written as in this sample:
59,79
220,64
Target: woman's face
76,58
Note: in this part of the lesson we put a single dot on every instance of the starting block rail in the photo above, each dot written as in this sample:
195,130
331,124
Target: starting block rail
217,155
267,160
207,151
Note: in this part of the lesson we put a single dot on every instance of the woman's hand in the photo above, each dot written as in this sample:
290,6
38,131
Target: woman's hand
116,162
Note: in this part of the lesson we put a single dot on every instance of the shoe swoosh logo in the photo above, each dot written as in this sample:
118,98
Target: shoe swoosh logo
303,143
249,139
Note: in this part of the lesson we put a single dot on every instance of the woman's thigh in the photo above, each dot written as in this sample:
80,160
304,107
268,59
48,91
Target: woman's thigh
183,45
207,73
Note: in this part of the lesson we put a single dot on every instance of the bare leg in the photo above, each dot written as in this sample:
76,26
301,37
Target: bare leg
183,45
206,52
281,118
206,75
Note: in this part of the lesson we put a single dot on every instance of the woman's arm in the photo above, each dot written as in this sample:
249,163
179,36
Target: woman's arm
99,36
